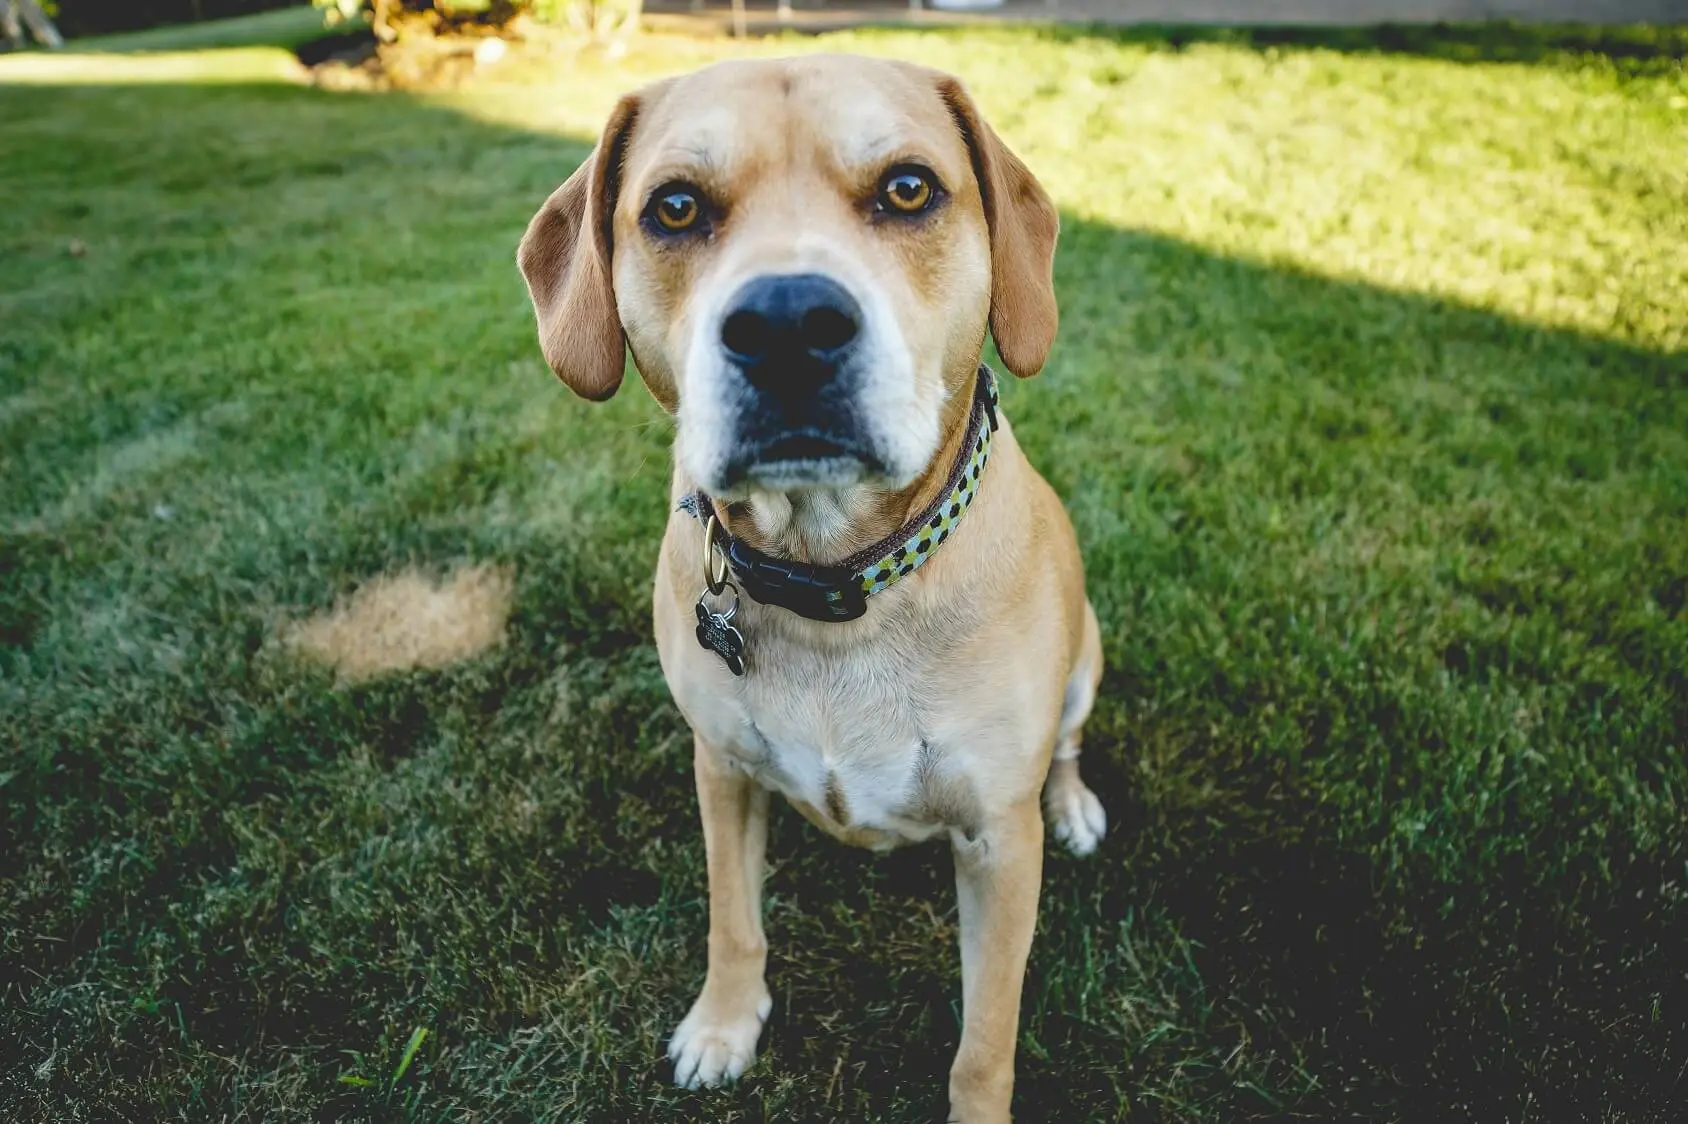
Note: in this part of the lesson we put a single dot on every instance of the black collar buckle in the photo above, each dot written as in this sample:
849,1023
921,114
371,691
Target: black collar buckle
820,593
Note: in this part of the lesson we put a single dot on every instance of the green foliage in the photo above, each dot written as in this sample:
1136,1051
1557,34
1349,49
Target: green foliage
343,9
495,11
1371,408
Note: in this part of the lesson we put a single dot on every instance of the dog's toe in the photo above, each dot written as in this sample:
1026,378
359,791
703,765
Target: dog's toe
712,1046
1078,818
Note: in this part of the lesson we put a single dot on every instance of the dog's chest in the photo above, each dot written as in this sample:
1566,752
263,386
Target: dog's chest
860,749
875,801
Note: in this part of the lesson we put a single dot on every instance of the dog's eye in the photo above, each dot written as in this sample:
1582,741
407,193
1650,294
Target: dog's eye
907,191
675,209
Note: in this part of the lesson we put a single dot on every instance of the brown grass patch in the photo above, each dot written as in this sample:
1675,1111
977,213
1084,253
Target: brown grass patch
407,620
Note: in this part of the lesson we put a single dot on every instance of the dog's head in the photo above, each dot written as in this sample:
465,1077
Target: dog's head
803,255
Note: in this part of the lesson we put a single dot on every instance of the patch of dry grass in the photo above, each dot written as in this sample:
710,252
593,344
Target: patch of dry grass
407,620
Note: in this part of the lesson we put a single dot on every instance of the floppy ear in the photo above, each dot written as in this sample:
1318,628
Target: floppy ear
1023,225
565,259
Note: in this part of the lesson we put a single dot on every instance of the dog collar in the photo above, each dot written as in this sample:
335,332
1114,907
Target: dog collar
839,592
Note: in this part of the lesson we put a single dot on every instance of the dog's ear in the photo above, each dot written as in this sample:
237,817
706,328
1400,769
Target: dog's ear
565,259
1023,226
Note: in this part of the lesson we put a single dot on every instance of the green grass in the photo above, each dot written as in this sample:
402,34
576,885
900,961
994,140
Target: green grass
1371,410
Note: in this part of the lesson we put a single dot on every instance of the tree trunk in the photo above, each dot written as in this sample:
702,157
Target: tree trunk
10,27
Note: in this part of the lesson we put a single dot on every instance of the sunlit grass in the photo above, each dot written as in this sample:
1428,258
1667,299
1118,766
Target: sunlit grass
1368,406
78,68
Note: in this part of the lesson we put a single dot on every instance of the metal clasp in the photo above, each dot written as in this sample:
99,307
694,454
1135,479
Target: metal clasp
714,559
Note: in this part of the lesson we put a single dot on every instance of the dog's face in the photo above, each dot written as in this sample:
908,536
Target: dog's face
803,255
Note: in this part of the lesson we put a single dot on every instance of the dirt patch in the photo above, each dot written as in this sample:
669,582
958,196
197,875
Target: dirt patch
408,620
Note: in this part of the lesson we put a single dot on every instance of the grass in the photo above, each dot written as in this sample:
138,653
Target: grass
282,27
1370,407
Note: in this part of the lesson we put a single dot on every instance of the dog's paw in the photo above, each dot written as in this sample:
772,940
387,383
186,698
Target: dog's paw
716,1042
1075,815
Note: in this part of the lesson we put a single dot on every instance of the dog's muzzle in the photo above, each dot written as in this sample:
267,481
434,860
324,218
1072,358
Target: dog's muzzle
794,341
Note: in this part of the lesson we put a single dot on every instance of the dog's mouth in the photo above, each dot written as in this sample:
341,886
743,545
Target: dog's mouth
803,447
804,459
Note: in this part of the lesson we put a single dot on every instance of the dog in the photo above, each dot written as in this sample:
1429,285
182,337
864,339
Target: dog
866,599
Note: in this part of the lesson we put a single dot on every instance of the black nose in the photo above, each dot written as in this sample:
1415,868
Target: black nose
790,331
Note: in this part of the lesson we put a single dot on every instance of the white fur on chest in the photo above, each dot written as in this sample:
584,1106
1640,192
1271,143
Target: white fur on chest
863,741
854,746
878,794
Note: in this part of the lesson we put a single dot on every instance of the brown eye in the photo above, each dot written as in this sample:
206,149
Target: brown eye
677,211
907,191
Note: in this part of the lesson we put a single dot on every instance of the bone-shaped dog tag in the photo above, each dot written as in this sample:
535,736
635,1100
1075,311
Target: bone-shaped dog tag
715,632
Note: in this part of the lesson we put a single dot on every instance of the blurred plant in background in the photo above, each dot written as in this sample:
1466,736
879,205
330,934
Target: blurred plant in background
394,19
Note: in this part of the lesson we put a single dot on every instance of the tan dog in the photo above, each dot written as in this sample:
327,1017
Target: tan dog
803,256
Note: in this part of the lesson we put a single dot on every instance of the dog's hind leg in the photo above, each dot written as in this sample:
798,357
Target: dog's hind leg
1075,816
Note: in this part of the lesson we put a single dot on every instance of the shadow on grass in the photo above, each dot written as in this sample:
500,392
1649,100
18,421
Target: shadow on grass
1259,953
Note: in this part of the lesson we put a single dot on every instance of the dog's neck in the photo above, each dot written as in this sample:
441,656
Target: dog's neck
824,526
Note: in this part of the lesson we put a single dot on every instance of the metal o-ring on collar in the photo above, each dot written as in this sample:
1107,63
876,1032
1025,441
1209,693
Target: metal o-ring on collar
714,560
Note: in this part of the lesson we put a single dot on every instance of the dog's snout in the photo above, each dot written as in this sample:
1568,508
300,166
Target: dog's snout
791,330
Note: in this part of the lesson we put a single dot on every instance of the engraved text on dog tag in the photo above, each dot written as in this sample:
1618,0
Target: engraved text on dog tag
715,632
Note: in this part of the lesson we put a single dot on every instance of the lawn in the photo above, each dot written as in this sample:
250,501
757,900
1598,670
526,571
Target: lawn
1371,410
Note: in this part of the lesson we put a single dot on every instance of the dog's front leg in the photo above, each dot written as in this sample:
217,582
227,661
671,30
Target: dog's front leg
716,1041
997,874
